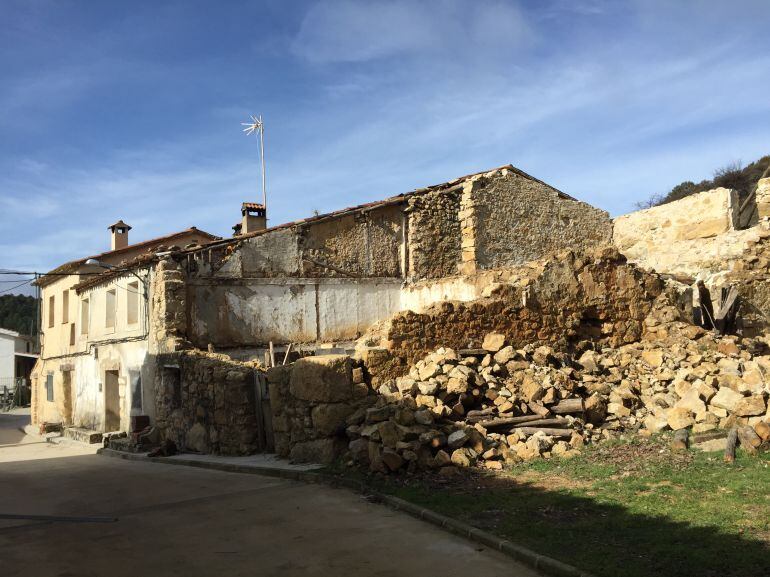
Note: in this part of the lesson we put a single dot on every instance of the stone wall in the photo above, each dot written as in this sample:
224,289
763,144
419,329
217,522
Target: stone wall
362,244
311,401
168,313
434,234
762,200
274,254
513,219
685,237
206,403
567,299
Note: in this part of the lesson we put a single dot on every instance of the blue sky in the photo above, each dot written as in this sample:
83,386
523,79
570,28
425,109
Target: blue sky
132,110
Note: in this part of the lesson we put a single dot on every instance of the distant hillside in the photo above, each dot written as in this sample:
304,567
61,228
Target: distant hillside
17,313
734,175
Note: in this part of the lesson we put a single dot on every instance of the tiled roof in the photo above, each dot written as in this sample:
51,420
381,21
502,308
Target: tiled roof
74,265
379,203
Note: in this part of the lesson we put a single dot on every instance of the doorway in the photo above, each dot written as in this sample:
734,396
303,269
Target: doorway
111,401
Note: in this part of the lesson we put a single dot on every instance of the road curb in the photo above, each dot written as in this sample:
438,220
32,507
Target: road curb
542,563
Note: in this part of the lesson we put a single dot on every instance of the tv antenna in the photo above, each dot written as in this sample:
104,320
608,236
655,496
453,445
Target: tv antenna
257,127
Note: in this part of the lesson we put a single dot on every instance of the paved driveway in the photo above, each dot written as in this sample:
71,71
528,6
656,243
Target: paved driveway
113,517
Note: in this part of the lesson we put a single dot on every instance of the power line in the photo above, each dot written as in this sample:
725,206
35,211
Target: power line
17,286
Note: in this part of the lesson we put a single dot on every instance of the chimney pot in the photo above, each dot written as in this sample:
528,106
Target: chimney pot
254,218
119,235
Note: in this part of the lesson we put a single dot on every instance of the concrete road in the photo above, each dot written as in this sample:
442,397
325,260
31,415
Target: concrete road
113,517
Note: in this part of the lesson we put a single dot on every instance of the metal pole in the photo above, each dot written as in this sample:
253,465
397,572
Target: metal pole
37,315
262,159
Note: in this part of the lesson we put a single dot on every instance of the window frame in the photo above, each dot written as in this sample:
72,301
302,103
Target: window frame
85,315
51,311
132,302
110,310
65,305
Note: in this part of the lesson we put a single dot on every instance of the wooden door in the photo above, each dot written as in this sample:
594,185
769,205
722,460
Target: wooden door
111,401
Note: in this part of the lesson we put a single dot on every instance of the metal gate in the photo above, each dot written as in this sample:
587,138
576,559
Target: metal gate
263,414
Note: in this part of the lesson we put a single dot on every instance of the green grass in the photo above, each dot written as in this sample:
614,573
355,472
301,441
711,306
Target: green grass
623,509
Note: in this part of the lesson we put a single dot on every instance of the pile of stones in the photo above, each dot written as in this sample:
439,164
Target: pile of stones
498,404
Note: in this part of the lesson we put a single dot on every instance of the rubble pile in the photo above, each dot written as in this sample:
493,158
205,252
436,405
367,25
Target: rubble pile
499,404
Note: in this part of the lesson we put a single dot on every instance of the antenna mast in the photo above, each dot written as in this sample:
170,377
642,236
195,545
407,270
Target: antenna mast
256,126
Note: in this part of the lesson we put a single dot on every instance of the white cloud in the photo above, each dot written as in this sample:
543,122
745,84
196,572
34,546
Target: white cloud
352,31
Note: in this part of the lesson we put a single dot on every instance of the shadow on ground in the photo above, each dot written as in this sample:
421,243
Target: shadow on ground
601,537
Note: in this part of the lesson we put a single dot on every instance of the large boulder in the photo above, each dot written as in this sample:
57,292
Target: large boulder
197,439
329,418
726,398
323,379
323,451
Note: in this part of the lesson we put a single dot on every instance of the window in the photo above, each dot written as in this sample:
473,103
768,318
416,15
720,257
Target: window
85,313
72,334
109,304
51,311
132,303
65,307
49,386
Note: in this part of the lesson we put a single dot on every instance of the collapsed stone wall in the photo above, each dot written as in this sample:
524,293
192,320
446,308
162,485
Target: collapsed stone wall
750,275
519,219
311,402
565,299
434,234
499,405
205,402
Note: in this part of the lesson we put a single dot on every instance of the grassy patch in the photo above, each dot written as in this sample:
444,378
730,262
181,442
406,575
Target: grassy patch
630,508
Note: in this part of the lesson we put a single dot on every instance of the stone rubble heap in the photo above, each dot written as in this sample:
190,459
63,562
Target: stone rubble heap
496,405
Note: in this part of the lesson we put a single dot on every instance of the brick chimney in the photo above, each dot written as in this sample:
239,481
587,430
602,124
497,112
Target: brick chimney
254,217
119,235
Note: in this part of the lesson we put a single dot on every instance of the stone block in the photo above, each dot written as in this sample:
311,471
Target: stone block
493,342
323,451
726,398
197,439
750,406
329,418
325,379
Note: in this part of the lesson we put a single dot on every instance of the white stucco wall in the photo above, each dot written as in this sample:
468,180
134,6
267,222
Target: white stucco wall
290,310
7,358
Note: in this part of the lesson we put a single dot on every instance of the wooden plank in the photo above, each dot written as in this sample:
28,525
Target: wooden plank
559,423
258,413
267,416
508,421
732,441
567,406
558,433
680,440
